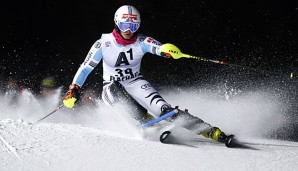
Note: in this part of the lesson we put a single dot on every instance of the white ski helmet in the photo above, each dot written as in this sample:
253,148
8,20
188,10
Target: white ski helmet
127,18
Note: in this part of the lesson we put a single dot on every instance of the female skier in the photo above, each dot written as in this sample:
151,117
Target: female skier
121,53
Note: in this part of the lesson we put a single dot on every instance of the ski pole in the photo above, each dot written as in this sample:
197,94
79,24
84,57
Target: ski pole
163,117
50,113
177,54
291,75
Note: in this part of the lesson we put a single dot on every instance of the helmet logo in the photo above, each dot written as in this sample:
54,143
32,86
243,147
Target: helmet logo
130,16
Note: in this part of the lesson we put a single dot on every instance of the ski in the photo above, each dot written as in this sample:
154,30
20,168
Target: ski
230,141
163,137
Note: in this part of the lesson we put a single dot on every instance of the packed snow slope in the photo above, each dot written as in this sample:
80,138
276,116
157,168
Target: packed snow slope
100,138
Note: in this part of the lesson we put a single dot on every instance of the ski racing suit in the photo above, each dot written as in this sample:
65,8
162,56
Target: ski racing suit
122,78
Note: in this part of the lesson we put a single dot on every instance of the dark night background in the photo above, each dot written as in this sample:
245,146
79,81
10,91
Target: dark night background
40,38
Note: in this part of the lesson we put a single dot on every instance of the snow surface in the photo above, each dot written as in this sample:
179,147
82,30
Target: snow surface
100,138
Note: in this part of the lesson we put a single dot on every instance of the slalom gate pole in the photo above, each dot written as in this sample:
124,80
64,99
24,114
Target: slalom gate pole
50,113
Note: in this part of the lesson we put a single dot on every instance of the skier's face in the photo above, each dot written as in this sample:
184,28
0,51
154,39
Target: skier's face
127,34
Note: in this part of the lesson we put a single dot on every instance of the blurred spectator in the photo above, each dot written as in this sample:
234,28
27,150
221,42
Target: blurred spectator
11,86
49,93
11,90
48,86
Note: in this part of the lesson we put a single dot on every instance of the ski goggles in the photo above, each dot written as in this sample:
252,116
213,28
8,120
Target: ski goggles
124,26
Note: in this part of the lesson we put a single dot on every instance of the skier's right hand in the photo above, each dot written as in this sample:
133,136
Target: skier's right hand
72,96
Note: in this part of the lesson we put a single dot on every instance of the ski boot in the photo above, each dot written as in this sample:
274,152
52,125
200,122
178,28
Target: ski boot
219,136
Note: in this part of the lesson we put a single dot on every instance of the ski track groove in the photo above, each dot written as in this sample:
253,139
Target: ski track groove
21,132
41,137
9,148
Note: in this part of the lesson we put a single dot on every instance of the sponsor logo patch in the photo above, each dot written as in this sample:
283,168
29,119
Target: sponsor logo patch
152,41
92,64
146,86
107,44
97,45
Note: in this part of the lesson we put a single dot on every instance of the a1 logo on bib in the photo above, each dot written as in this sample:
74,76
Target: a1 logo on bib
122,59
